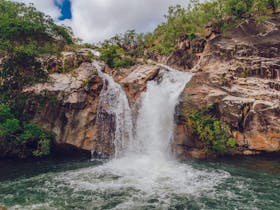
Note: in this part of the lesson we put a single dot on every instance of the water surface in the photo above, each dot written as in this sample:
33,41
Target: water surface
239,183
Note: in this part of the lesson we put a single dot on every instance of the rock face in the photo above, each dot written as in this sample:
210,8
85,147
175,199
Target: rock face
72,106
71,113
239,75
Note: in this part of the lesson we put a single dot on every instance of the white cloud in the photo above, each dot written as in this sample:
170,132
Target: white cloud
46,6
95,20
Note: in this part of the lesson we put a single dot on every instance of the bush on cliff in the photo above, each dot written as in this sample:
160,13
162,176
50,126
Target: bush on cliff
180,21
214,134
28,138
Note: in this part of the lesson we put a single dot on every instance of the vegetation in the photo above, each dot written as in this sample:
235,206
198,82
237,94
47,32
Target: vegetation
121,50
26,35
214,134
32,139
190,21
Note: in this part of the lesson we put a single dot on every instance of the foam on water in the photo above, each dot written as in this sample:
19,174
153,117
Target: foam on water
141,179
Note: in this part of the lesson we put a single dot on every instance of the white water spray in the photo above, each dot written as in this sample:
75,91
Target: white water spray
155,120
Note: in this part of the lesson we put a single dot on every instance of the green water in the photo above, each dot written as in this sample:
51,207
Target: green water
240,183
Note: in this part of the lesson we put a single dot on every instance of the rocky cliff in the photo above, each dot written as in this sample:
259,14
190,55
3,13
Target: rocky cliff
239,74
68,104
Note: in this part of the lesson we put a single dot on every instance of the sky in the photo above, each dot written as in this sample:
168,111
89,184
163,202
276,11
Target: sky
96,20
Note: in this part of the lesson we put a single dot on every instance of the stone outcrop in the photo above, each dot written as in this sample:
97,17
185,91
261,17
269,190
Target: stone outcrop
135,82
187,53
68,60
71,108
239,75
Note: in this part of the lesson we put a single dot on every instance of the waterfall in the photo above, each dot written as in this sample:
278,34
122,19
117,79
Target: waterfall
155,121
153,130
142,175
113,102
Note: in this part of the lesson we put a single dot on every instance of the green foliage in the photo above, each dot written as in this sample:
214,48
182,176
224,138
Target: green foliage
5,113
193,19
114,57
34,132
17,134
22,25
238,8
181,21
9,128
214,134
188,22
123,62
25,35
21,69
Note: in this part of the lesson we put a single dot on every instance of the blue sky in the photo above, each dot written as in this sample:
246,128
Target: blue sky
65,8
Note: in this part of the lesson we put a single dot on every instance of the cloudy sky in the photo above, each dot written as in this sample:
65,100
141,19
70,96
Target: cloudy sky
96,20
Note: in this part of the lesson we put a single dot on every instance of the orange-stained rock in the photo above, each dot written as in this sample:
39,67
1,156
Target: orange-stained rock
199,154
269,142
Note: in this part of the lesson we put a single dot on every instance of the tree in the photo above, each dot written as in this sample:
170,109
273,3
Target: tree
25,35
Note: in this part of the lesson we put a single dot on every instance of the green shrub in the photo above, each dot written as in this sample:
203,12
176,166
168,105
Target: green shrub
114,57
24,135
5,113
9,128
43,138
124,62
214,134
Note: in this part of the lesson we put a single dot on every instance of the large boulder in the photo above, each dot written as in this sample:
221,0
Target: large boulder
135,83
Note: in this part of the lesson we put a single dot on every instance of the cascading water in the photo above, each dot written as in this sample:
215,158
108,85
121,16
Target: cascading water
155,118
113,102
155,122
143,170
